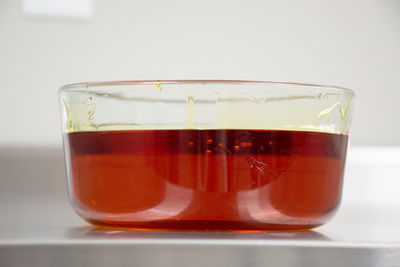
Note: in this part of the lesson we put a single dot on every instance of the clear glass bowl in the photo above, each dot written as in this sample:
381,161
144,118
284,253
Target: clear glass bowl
205,155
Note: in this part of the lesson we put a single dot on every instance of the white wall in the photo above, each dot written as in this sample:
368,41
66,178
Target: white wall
355,44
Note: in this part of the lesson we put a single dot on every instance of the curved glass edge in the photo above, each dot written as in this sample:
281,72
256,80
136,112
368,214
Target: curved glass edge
85,87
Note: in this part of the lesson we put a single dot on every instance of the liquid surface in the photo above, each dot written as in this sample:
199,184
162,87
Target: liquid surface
206,179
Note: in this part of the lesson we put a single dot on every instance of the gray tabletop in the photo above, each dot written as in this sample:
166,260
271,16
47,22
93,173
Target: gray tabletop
39,228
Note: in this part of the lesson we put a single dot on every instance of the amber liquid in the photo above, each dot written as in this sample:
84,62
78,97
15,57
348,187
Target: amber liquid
206,179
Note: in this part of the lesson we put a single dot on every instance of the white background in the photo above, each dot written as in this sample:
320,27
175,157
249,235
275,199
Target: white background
355,44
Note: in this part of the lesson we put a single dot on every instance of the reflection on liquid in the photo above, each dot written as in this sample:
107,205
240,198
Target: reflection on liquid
256,205
176,200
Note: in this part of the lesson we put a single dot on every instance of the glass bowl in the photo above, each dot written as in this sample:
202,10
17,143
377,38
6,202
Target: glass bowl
205,154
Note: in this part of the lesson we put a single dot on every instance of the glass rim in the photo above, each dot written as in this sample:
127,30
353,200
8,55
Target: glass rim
84,86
